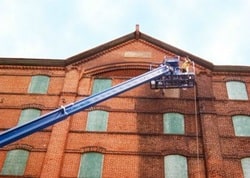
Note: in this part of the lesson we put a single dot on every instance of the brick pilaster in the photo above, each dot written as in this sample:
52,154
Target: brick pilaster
211,142
55,151
209,127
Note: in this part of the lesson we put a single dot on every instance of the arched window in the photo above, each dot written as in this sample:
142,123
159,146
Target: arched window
97,120
236,90
241,125
91,165
100,85
15,162
173,123
245,163
39,84
28,115
175,166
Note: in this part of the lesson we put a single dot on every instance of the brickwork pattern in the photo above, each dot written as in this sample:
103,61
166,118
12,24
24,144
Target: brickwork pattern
134,144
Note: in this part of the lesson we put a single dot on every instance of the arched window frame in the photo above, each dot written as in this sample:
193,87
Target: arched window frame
236,90
91,165
245,164
28,114
100,84
173,123
15,162
175,166
39,84
241,125
97,120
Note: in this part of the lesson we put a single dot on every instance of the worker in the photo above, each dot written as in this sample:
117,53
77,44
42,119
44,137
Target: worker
165,59
185,65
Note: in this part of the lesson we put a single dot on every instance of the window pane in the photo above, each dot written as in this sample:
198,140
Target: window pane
101,84
97,121
173,123
91,165
241,125
15,162
245,163
236,90
175,166
39,84
28,115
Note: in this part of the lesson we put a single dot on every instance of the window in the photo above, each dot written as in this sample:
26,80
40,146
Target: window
39,84
91,165
28,115
101,84
245,163
173,123
97,120
236,90
175,166
15,162
241,125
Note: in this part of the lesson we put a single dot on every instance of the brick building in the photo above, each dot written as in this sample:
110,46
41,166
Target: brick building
196,132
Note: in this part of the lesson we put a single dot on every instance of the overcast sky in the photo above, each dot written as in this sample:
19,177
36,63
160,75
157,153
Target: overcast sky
215,30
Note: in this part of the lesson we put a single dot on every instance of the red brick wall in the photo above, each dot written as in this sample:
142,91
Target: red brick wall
134,144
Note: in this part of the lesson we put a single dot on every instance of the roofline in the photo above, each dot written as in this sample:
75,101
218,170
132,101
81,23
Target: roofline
173,49
33,62
136,35
231,68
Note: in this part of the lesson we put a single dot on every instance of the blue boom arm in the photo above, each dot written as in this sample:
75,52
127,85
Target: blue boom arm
18,132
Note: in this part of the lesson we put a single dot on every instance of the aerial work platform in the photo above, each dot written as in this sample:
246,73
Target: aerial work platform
176,77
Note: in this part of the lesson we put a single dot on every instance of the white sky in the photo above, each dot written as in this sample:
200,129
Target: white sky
215,30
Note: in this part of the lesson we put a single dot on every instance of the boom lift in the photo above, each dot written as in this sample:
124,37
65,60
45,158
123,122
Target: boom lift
175,78
167,75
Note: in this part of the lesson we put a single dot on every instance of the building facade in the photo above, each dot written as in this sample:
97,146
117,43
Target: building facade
196,132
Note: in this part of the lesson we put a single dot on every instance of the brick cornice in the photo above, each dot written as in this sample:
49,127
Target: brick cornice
25,67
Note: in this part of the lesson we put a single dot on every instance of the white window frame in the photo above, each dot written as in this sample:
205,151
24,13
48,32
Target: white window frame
175,166
236,90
